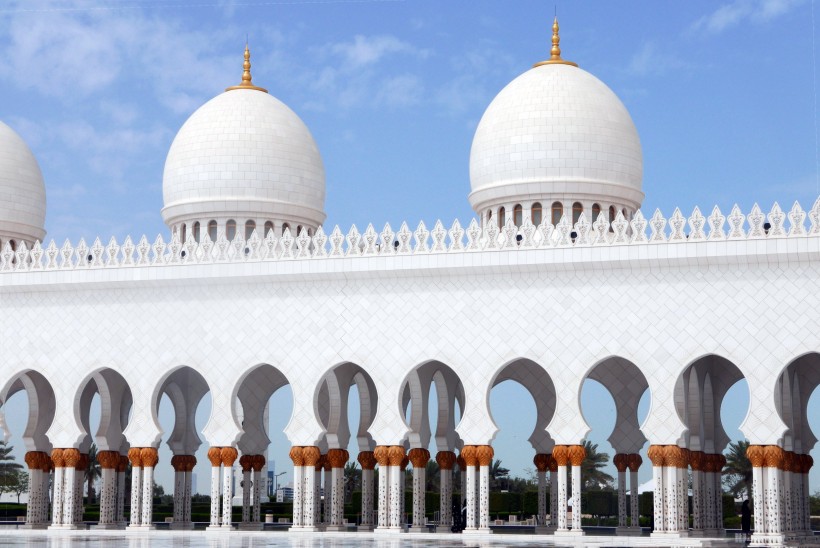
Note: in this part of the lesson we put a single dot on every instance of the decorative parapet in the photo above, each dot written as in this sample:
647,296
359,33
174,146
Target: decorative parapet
621,232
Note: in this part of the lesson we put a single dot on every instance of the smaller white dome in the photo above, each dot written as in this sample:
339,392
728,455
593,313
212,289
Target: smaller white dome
244,155
22,191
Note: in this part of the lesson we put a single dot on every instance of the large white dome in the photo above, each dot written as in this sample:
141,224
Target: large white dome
22,191
244,155
556,133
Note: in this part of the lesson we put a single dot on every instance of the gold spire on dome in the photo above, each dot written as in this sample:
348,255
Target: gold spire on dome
247,83
555,51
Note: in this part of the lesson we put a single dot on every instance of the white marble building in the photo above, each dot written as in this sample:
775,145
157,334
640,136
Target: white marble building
559,278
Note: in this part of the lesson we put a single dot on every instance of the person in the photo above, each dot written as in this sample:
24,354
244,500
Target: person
746,518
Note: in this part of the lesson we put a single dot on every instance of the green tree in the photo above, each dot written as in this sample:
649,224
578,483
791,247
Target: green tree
92,471
497,473
737,474
8,468
432,476
353,479
593,476
20,483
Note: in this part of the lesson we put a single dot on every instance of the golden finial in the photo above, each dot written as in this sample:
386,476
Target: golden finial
247,82
555,51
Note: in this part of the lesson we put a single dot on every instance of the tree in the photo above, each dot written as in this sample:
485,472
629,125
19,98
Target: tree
8,468
432,476
593,476
353,478
92,471
20,483
737,474
497,472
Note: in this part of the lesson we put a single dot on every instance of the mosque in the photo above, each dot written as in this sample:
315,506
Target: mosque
559,277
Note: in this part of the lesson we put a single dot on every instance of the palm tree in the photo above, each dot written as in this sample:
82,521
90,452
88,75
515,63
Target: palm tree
592,473
737,474
92,471
353,478
432,477
497,472
7,463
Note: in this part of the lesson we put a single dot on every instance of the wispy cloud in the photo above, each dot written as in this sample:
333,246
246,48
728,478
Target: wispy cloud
650,60
368,50
734,13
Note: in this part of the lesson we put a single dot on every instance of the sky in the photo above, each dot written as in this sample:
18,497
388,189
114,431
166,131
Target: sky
722,93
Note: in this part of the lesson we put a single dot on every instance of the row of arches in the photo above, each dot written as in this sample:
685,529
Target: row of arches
537,213
433,385
198,228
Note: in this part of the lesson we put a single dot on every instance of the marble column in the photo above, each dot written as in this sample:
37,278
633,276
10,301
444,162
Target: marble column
135,510
462,467
403,482
719,463
150,458
576,454
541,462
755,456
328,490
298,489
79,473
696,461
619,460
773,463
245,464
806,463
229,455
553,508
367,460
317,490
215,458
337,458
561,455
484,453
311,456
109,462
419,457
122,467
382,456
468,452
395,458
37,507
258,464
179,489
789,513
657,455
72,458
59,481
445,460
634,462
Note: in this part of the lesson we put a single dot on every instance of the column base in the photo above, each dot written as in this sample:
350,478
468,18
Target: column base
250,526
181,525
569,532
669,534
768,539
72,527
478,531
389,530
217,528
628,531
365,528
336,528
34,526
139,527
107,526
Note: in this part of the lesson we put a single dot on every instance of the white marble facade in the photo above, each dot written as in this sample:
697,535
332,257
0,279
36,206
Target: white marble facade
680,305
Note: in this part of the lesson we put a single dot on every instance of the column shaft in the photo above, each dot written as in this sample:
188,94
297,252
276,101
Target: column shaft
576,497
561,508
634,499
471,497
446,498
621,498
484,497
215,490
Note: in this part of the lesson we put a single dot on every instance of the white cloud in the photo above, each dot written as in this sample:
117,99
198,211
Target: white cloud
739,11
650,60
368,50
401,91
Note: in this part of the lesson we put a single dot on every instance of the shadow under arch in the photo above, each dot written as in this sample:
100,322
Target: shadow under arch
41,408
793,389
537,381
115,408
330,404
699,393
250,400
185,387
415,395
626,383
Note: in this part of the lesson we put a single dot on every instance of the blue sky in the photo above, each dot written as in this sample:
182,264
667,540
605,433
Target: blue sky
722,94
